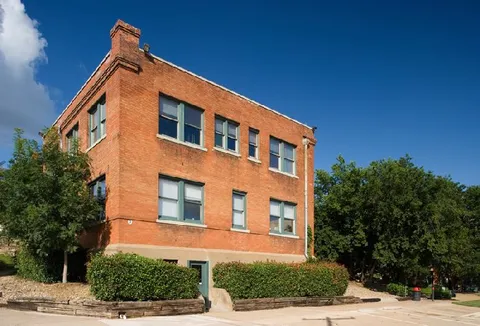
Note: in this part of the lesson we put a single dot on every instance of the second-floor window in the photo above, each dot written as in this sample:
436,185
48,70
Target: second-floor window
282,156
253,143
180,200
97,121
99,191
72,138
282,217
226,134
180,121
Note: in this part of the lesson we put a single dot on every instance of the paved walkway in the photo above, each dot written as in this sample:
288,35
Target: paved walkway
425,313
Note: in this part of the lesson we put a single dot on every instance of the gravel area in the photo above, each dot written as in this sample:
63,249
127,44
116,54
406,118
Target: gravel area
14,286
357,290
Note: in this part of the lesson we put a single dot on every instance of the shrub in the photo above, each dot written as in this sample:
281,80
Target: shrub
123,277
41,269
397,289
271,279
439,292
6,262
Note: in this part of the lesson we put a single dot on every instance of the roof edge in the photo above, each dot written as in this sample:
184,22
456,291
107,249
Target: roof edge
81,88
228,90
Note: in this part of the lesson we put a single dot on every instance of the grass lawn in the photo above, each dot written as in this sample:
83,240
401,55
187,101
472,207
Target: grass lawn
474,303
6,262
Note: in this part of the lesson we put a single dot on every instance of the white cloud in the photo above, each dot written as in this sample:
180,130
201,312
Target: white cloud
24,102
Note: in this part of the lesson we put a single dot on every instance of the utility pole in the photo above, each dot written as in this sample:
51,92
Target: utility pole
432,271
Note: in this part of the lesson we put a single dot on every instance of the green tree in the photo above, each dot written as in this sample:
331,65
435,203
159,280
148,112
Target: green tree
44,197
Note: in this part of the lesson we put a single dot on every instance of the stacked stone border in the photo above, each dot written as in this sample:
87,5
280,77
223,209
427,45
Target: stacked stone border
276,303
105,309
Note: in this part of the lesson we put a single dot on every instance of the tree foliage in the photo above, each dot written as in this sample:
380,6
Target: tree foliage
44,196
396,219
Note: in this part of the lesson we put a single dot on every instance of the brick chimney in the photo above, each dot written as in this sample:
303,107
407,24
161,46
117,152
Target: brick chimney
125,41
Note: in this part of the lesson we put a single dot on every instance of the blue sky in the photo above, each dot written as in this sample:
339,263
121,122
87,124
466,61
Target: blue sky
378,78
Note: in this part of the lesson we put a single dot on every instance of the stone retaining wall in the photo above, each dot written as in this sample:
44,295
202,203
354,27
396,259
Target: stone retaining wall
109,309
276,303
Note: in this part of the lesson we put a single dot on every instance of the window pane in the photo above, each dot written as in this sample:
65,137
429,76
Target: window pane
218,140
252,151
288,226
191,134
103,129
193,116
168,207
238,202
93,119
168,107
289,211
238,219
274,208
103,113
192,211
101,188
287,166
252,137
274,224
193,192
232,130
274,146
232,144
274,161
168,127
219,126
288,151
168,189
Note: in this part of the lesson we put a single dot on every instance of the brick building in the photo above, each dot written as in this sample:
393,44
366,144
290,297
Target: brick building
191,172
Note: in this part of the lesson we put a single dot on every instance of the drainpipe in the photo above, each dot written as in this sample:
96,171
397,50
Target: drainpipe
305,148
60,136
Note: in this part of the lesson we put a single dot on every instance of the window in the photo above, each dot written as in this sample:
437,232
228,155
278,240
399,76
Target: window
282,217
180,121
180,200
97,121
98,190
282,156
226,134
72,138
238,210
253,143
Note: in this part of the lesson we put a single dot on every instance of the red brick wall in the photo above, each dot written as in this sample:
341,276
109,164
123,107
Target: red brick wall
132,157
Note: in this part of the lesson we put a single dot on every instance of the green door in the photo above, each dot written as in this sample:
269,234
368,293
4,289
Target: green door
202,268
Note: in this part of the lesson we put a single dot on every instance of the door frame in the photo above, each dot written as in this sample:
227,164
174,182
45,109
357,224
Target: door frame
205,268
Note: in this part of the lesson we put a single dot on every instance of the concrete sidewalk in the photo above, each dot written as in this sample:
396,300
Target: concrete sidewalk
424,313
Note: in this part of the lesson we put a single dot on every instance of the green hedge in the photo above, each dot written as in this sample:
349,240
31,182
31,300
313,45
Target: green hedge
129,277
274,280
41,269
439,293
398,289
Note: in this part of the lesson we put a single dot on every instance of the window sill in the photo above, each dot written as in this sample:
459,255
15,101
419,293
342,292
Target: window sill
227,151
176,141
291,236
96,143
254,160
181,223
284,173
239,230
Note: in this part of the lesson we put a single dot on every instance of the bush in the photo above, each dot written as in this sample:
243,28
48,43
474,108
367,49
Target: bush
439,292
6,262
41,269
397,289
271,279
124,277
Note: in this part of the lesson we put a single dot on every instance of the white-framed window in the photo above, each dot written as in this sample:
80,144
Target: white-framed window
239,210
98,121
180,200
180,120
282,217
226,134
72,138
282,156
253,139
98,190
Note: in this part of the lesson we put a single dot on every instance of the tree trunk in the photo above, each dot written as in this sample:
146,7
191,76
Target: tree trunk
65,267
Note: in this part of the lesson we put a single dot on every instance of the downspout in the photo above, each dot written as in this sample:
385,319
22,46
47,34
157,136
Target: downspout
60,136
305,151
